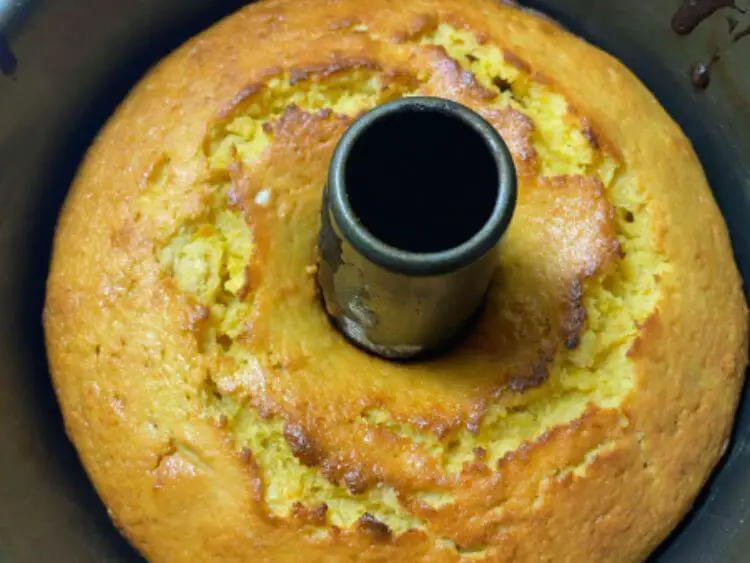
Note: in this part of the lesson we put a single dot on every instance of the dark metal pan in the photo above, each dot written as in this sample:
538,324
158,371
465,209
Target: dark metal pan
67,63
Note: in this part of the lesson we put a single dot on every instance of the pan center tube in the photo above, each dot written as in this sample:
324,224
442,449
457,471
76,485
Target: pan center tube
419,194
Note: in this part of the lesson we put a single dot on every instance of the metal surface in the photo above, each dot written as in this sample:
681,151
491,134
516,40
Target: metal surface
419,193
76,60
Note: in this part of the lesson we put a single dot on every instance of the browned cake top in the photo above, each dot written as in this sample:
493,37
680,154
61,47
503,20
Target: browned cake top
222,418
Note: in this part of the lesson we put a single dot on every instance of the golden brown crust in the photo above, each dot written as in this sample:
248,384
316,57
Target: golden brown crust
135,367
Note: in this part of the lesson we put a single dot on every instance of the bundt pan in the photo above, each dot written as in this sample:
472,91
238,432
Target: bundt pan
64,66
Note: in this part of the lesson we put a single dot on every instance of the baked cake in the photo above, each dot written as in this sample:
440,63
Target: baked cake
222,418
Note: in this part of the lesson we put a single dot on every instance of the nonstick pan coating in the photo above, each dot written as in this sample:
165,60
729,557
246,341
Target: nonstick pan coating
64,66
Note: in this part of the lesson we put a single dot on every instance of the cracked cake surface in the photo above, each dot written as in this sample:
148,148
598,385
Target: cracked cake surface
222,418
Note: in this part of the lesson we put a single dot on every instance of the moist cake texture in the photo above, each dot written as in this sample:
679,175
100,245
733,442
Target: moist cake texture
221,417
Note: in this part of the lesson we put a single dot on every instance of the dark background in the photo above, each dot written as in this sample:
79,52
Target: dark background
67,63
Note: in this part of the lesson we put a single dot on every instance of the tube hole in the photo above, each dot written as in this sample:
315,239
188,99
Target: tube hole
421,180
